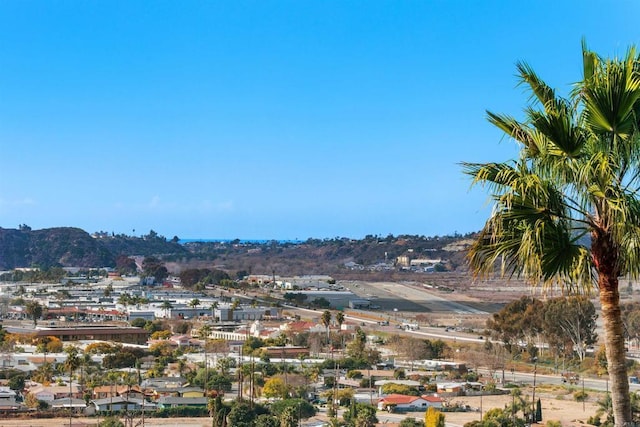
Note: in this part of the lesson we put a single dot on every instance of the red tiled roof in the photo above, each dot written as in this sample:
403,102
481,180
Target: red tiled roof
399,399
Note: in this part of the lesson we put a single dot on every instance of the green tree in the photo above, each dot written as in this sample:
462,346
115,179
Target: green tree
241,415
153,267
340,319
570,323
411,422
520,320
326,321
267,420
577,176
288,417
34,310
17,382
166,306
303,409
218,411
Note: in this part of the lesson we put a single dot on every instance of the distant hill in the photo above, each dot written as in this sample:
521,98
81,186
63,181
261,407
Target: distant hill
73,247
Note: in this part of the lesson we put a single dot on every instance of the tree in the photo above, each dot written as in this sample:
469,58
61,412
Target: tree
433,418
275,387
153,267
71,364
570,323
218,411
288,417
17,382
34,311
340,319
326,321
360,415
241,415
577,177
166,306
266,420
411,422
303,409
520,320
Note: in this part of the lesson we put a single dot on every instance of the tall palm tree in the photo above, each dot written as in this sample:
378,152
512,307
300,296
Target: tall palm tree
567,211
214,307
71,364
326,321
166,306
339,319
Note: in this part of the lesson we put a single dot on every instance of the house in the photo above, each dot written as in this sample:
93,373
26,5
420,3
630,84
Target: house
191,392
452,388
119,403
76,405
172,402
164,382
403,403
8,400
105,391
51,393
286,352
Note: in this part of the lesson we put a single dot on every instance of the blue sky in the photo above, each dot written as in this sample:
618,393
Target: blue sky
271,119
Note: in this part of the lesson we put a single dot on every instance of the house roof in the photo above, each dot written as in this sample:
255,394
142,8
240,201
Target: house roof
399,399
119,399
171,400
65,402
54,389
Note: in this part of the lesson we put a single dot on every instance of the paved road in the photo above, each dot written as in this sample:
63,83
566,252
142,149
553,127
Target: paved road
600,384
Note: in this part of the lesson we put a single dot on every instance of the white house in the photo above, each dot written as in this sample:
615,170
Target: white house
401,402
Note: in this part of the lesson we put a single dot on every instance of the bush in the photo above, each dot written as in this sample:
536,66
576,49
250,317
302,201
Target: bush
580,396
182,411
111,422
594,420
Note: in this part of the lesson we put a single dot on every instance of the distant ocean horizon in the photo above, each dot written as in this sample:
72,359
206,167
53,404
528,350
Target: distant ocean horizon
250,241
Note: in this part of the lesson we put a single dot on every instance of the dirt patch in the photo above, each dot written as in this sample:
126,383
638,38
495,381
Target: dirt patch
568,412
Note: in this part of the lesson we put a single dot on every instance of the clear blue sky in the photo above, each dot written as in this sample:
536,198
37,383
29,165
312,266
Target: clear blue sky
271,119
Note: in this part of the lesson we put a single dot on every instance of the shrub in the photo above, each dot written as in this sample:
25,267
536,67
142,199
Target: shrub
580,396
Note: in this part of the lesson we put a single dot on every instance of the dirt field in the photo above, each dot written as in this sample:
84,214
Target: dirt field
568,412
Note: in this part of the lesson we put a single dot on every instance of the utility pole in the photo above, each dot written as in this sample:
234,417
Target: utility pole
533,399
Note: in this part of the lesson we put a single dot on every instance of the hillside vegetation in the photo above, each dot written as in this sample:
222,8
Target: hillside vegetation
73,247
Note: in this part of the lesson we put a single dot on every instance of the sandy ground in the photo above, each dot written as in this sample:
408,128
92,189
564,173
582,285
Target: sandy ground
568,412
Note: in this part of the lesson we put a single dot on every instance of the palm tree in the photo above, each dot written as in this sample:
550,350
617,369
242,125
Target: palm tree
194,303
339,319
166,306
214,307
326,321
71,364
577,178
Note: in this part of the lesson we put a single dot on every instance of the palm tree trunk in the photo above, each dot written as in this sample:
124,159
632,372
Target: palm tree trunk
616,356
606,260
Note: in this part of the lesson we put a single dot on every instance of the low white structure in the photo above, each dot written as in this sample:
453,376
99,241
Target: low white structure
403,403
